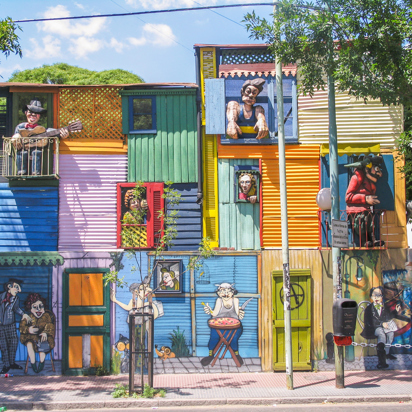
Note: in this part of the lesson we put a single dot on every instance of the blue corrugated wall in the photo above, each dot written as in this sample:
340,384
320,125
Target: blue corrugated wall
28,218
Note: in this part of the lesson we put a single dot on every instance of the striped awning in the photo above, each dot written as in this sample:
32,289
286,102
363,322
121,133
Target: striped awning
30,258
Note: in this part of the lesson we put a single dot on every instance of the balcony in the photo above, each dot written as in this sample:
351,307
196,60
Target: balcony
365,229
30,158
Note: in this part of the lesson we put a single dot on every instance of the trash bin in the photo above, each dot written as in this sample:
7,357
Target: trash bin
344,317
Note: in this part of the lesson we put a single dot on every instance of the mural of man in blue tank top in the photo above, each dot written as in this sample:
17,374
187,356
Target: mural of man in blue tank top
245,119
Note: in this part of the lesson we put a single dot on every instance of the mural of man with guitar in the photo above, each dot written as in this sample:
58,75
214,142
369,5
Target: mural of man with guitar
30,139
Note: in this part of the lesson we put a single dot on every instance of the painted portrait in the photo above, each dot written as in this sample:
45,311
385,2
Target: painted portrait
247,186
168,278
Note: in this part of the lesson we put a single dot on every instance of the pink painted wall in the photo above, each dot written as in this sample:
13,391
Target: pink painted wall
87,200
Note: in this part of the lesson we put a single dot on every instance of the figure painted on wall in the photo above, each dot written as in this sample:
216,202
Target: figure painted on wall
164,353
246,119
123,345
169,281
247,187
379,324
32,147
361,199
225,324
9,307
139,301
38,335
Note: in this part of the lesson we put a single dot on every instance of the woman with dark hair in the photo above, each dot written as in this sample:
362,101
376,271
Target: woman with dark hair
38,336
379,324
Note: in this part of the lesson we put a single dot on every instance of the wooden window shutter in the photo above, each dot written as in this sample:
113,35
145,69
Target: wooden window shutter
155,203
215,106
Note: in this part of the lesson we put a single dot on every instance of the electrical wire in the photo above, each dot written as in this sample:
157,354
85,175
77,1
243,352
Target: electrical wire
144,12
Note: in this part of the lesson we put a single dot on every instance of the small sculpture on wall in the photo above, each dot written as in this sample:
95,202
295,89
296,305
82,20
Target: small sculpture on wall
247,187
361,198
245,119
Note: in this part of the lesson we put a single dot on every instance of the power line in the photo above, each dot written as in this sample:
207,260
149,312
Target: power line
143,12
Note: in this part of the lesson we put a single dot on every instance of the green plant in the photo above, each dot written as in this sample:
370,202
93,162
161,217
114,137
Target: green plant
115,362
120,391
179,345
102,371
150,392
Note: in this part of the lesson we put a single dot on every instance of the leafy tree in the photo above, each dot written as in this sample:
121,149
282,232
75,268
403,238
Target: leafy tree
365,45
9,41
63,73
369,56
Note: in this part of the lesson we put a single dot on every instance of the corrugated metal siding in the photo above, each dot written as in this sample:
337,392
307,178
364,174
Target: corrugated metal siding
189,218
87,207
239,223
28,216
210,188
242,271
171,154
302,171
302,179
356,122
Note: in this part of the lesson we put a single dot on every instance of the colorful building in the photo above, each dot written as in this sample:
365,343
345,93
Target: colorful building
66,228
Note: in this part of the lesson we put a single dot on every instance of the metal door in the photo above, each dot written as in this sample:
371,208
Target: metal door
300,300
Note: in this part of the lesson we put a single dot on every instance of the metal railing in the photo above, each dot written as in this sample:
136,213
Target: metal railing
364,229
30,157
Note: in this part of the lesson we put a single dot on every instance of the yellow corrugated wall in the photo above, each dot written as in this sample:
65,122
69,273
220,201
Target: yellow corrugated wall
209,150
357,122
302,178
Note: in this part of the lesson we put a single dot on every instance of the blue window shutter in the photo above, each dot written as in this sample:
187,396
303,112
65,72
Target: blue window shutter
385,189
215,106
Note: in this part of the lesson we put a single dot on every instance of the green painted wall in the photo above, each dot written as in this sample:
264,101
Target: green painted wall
171,154
239,223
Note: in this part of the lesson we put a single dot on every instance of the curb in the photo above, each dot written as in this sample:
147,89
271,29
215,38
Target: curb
162,402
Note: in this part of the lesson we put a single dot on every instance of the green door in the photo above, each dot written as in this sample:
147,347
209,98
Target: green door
300,301
86,321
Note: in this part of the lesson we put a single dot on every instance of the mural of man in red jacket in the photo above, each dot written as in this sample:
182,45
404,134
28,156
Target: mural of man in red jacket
361,199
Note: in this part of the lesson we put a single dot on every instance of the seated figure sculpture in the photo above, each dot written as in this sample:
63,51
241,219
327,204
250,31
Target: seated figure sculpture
245,119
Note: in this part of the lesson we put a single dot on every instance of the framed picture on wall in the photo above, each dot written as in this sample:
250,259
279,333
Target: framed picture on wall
247,184
168,277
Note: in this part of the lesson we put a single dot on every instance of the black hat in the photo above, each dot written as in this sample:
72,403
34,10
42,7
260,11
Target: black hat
363,161
35,107
12,280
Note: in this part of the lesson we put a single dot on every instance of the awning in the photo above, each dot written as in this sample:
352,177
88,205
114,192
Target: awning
352,149
31,258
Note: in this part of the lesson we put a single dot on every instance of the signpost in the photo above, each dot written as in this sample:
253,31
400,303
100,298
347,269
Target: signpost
340,234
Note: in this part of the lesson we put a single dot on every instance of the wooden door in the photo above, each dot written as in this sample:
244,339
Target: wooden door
300,299
86,321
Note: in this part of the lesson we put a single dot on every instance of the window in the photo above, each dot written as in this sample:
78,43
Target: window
138,223
142,114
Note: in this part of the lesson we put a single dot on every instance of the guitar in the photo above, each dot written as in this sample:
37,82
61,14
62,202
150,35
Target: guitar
37,137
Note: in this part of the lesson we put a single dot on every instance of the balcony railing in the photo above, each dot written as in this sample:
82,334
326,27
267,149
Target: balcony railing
30,158
364,229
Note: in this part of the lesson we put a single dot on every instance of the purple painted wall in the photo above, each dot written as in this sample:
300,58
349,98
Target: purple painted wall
87,200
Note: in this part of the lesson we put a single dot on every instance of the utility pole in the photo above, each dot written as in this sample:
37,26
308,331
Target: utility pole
335,213
284,219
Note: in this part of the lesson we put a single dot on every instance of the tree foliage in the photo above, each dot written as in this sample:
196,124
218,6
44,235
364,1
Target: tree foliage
369,56
9,41
63,73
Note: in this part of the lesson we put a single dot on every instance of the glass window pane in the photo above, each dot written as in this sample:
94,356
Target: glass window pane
142,106
142,122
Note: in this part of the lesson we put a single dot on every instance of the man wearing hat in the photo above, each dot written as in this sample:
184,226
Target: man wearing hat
33,112
9,306
361,198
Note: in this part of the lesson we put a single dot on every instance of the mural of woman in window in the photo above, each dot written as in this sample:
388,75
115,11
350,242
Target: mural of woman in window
137,207
38,336
169,281
247,187
246,119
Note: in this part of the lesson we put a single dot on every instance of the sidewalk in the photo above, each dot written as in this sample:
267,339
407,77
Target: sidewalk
63,392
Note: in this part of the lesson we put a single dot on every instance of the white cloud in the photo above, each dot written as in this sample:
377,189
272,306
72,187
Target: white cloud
50,47
83,46
6,73
70,28
156,34
80,6
116,45
170,4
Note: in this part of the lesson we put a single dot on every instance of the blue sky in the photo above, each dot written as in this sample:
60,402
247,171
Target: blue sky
157,47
